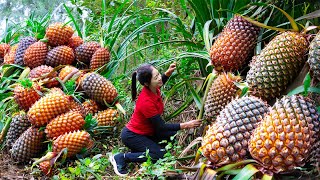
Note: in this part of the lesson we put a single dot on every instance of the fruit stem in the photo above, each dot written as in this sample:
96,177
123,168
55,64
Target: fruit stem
70,75
309,29
209,80
120,108
45,40
24,73
259,24
48,156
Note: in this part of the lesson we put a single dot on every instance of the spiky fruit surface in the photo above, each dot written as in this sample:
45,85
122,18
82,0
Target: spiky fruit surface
80,79
284,138
314,56
222,91
22,47
18,125
74,141
226,140
25,97
87,107
77,107
75,41
315,154
28,145
99,88
234,45
100,58
107,117
60,55
90,107
85,51
9,57
56,90
58,34
66,71
47,108
4,49
46,168
35,55
277,65
64,123
40,71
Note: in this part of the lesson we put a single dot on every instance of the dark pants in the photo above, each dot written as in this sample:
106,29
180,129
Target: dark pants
140,143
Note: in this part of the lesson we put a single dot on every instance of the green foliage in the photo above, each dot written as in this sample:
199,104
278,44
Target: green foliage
27,83
36,25
90,123
150,170
70,86
11,33
9,74
306,88
85,168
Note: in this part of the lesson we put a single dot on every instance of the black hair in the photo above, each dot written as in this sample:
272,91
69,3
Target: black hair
144,75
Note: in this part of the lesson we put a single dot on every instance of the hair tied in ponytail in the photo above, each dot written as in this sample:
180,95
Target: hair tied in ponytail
134,86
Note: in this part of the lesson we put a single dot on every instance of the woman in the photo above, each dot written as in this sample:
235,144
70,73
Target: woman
146,128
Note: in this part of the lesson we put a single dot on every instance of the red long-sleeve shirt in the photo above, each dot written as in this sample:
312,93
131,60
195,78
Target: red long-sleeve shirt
146,118
148,105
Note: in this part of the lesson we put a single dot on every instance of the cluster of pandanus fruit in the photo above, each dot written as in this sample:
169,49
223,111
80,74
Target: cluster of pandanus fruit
58,70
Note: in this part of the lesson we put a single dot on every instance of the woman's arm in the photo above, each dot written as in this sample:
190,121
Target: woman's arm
164,78
160,125
168,73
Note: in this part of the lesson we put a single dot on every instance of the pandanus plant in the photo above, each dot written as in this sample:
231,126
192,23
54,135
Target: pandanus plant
287,136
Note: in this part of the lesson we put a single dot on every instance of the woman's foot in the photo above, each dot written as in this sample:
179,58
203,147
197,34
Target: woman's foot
119,164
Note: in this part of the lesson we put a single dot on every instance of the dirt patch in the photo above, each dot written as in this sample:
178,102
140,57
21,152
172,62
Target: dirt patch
9,169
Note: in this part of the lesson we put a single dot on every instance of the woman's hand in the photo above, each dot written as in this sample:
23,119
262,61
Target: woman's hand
170,70
190,124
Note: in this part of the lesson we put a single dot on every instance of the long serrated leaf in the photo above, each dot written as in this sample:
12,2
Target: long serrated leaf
201,10
73,20
191,144
297,90
116,14
237,164
312,15
266,177
131,36
259,24
206,32
178,111
246,173
208,174
228,172
195,96
198,154
185,8
153,45
173,90
307,83
200,54
314,90
121,27
5,129
291,20
207,84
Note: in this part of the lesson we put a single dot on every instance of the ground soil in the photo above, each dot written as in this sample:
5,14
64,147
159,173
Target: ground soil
11,170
